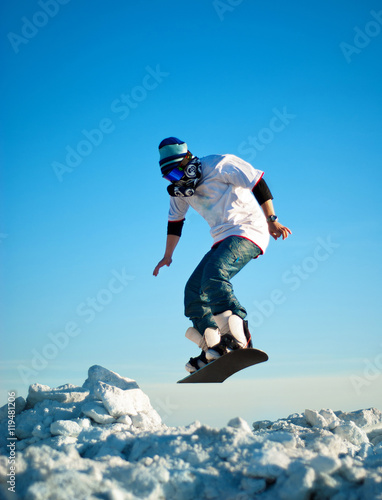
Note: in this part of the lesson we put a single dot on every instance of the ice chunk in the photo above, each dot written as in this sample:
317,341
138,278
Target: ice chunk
41,432
268,463
315,419
125,419
115,400
239,423
71,428
352,433
64,394
120,402
261,424
325,464
298,484
97,374
368,420
65,428
146,421
44,413
351,470
285,438
330,417
26,422
97,412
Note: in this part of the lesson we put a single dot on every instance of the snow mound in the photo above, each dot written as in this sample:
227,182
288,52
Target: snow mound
105,441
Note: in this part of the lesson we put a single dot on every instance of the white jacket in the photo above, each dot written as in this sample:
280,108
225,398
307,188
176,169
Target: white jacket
225,200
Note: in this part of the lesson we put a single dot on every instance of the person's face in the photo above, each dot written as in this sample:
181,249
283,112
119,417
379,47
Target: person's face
177,172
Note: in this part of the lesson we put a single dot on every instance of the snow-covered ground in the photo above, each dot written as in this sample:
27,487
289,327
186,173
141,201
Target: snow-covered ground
105,441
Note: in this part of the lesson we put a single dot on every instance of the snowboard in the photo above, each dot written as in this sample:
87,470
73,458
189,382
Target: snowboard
219,370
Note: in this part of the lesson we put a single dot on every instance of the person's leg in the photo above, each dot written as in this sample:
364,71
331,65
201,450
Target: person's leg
230,256
208,292
204,333
196,306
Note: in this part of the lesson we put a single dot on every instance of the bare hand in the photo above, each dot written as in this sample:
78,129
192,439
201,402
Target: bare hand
166,261
276,230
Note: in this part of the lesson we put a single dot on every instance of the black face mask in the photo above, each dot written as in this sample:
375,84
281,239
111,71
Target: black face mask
187,184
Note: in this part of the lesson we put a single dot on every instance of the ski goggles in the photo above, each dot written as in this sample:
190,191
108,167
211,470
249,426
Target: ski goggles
175,174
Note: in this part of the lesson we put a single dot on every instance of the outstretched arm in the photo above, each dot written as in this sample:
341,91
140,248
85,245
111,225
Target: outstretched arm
174,231
172,241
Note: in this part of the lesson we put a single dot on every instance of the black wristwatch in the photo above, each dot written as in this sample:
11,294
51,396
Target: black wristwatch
272,218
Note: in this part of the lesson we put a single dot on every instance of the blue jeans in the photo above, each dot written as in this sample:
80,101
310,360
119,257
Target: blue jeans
208,291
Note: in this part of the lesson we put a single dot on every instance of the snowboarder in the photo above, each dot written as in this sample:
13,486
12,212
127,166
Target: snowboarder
228,193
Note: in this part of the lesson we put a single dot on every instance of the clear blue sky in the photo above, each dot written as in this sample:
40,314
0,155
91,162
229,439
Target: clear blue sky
88,91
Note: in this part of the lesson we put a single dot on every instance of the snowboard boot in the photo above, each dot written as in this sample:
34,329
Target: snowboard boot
211,337
234,335
193,335
196,363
